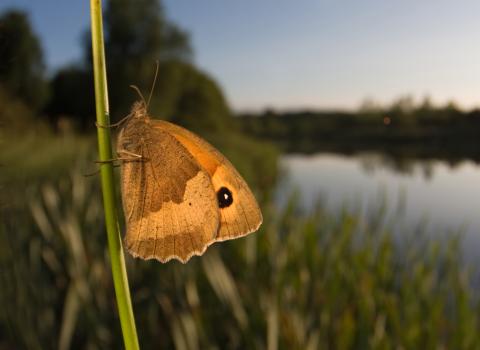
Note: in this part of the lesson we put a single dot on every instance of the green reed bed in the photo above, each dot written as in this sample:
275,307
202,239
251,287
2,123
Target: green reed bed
304,281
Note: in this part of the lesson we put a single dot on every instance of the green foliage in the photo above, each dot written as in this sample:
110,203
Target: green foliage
41,156
72,95
138,31
137,34
302,282
14,114
188,97
22,70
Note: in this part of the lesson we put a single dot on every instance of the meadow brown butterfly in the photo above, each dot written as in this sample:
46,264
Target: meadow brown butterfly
180,194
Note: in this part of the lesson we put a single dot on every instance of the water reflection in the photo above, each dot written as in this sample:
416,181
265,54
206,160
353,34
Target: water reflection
444,195
372,162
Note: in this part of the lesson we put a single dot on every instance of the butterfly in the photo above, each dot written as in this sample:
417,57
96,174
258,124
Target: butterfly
179,193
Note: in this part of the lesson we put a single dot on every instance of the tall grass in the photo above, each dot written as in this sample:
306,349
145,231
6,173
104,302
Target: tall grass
305,281
117,258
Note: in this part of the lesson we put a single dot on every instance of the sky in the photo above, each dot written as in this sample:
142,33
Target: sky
287,54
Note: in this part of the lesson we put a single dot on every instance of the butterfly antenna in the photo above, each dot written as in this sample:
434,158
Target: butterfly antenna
134,87
153,83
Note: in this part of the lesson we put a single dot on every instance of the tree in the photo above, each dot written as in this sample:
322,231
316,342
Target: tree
370,106
137,34
404,105
191,98
72,95
22,69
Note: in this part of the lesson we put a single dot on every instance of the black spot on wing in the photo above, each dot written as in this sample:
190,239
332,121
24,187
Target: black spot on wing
224,197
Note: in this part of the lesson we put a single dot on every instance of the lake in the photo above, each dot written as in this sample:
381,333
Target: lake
445,196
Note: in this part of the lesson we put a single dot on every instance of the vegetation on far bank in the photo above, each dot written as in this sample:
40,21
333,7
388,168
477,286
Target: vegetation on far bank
403,130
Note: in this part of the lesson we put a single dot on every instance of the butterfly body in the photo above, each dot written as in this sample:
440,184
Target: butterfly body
179,193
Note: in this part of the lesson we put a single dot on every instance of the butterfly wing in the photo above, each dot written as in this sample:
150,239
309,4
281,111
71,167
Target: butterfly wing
239,211
168,198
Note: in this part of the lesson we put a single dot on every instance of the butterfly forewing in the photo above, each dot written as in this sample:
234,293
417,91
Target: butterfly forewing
169,201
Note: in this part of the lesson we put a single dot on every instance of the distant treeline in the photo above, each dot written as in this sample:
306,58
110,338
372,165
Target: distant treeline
401,130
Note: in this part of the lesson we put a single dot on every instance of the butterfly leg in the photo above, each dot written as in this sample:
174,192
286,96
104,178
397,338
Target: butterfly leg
130,157
133,158
98,171
131,154
122,159
114,125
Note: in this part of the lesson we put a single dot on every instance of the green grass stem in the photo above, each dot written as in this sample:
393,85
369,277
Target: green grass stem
117,257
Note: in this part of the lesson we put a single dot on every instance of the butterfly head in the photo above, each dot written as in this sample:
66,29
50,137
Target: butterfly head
139,111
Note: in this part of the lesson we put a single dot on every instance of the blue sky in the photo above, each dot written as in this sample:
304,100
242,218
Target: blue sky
308,53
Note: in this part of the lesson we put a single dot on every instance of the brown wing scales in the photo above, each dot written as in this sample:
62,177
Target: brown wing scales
169,200
243,216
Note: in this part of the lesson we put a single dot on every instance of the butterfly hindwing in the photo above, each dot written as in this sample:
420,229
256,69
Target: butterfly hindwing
239,211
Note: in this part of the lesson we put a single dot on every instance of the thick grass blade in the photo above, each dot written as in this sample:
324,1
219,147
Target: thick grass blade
117,257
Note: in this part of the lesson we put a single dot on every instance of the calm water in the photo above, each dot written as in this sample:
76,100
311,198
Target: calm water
446,197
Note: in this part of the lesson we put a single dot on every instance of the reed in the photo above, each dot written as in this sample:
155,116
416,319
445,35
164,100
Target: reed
117,258
306,281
